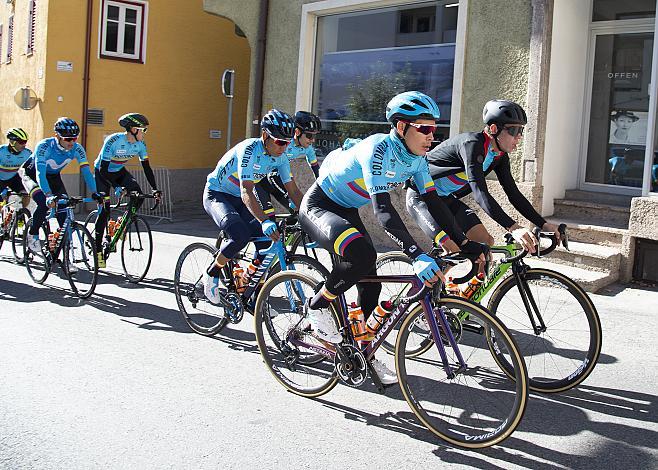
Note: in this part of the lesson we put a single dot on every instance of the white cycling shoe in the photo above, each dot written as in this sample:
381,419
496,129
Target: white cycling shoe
386,375
34,244
211,289
323,325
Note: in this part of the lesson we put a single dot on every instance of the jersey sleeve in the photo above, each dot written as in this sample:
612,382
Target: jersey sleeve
245,160
518,200
142,153
423,180
107,151
41,154
372,170
81,156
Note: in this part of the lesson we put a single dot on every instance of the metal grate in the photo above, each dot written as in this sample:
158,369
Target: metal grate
96,117
164,210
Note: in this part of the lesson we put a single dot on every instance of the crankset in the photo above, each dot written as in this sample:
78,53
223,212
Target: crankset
351,365
233,307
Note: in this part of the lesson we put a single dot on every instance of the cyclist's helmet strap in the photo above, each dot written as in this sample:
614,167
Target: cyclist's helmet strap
307,122
278,124
67,127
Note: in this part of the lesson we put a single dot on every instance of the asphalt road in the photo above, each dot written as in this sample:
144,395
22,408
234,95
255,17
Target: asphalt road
119,381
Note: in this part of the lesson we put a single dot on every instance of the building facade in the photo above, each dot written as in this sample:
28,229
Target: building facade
98,59
584,70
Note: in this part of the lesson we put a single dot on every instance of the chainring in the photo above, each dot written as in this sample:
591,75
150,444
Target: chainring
351,366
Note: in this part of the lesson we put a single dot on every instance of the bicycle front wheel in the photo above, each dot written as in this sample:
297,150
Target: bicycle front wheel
202,316
136,249
279,323
565,353
38,264
476,406
80,262
16,233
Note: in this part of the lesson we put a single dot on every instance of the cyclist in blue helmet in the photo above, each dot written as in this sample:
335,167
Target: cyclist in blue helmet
366,173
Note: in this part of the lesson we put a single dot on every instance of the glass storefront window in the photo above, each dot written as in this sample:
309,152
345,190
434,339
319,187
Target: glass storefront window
609,10
358,69
619,109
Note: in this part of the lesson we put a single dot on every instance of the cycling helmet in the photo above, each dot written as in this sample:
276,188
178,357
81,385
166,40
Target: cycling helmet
307,122
278,124
133,120
16,133
412,105
67,127
501,112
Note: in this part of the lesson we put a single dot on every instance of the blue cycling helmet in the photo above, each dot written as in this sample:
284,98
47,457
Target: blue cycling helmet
278,124
67,127
412,105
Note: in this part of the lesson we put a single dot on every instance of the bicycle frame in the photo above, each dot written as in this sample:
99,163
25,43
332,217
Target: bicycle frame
274,252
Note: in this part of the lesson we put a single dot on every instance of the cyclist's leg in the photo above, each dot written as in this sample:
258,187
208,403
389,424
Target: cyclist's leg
39,198
262,190
225,211
468,219
279,190
430,222
129,183
103,185
58,189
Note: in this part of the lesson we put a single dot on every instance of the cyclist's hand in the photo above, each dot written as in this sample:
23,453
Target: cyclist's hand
292,205
270,229
98,197
525,237
471,247
157,194
552,228
51,201
427,270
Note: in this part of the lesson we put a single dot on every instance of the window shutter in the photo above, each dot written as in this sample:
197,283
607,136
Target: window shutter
10,38
1,26
31,26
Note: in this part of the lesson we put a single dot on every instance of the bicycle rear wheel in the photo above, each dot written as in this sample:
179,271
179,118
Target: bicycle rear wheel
201,316
278,319
80,262
38,265
16,233
136,249
478,406
563,355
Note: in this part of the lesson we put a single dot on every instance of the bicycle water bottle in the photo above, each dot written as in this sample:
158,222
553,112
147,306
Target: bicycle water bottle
238,278
111,227
52,239
378,317
251,270
357,322
472,286
8,215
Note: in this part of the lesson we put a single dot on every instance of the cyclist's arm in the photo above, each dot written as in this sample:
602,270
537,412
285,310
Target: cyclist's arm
518,200
148,172
81,156
40,169
393,225
444,219
248,196
294,193
312,161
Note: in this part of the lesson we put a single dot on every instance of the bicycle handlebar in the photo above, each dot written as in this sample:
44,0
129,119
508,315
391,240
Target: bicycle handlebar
135,195
562,229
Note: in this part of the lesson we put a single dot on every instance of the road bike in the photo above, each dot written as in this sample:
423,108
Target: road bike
70,246
12,223
457,390
207,318
129,230
552,318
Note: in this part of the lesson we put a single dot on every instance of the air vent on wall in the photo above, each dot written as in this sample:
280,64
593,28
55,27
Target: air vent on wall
95,117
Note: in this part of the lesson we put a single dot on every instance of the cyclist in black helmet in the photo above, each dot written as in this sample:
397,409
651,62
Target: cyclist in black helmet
307,127
229,196
12,156
460,165
118,149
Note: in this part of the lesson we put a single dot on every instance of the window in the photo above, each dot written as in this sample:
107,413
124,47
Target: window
357,70
31,26
123,31
10,38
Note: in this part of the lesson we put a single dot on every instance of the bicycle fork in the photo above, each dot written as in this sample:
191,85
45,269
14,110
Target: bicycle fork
434,328
528,300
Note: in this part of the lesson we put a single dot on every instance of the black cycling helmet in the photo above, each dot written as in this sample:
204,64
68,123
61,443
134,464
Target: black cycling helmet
133,120
67,127
501,112
307,122
16,133
278,124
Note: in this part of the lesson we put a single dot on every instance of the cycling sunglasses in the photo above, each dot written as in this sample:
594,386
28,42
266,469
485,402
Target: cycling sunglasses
514,131
280,142
143,129
310,135
69,139
424,129
19,141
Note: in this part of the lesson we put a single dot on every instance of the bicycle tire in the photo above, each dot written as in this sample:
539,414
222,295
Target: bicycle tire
38,265
82,246
136,240
18,227
304,379
209,319
555,364
449,406
423,341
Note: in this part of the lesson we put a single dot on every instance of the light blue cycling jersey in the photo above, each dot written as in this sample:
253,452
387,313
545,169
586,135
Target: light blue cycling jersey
377,164
294,152
247,161
118,151
50,159
447,185
10,162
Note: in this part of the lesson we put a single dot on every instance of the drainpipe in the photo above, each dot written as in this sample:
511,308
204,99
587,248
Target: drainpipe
85,86
260,67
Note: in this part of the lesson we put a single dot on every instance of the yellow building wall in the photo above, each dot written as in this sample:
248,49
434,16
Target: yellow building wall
24,70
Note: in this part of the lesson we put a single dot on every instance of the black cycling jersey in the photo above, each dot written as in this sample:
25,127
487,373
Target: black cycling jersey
460,165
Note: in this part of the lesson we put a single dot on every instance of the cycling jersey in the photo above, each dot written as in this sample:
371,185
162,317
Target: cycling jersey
294,152
460,165
10,162
49,159
375,165
247,161
118,151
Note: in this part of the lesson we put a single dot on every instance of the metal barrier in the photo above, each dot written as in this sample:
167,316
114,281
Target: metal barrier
165,209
